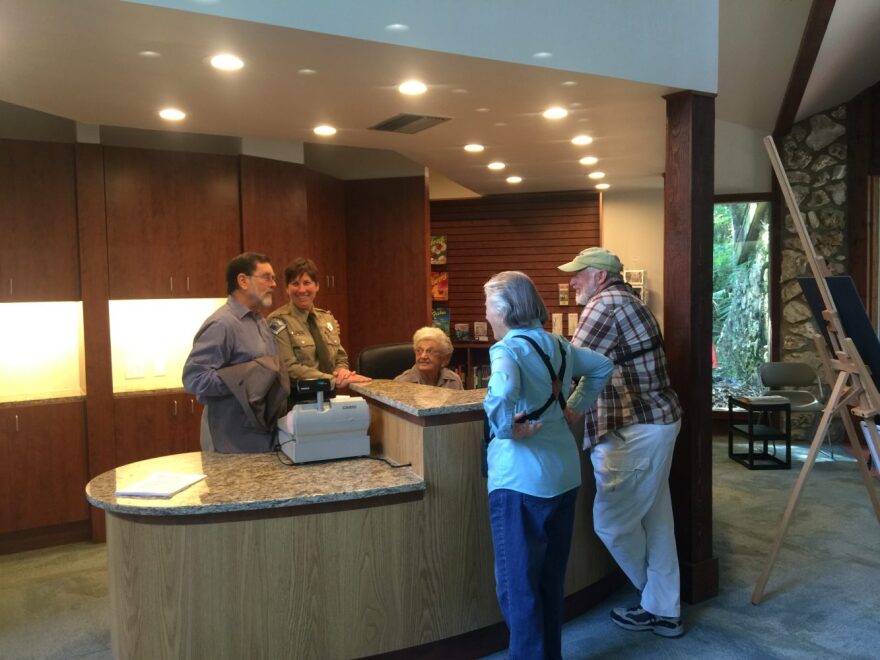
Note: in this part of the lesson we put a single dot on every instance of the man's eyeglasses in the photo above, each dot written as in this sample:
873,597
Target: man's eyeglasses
266,277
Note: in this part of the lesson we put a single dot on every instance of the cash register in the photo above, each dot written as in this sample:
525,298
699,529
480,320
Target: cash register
322,426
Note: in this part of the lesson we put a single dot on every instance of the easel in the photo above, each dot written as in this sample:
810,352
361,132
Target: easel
853,388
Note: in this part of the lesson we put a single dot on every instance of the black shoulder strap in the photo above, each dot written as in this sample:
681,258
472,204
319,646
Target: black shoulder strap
555,379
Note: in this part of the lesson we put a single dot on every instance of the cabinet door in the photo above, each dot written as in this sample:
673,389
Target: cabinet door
47,456
273,214
6,417
189,422
172,222
145,426
39,257
326,197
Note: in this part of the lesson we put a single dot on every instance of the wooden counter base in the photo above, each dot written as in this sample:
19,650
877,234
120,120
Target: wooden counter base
334,584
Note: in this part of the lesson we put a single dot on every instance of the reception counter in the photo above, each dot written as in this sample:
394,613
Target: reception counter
333,560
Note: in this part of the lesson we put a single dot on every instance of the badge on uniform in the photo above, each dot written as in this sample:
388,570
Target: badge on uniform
330,326
277,325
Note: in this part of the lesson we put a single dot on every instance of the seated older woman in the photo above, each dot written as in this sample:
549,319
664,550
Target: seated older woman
433,351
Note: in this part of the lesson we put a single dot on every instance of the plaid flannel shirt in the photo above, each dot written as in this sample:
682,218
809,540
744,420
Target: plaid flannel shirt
617,324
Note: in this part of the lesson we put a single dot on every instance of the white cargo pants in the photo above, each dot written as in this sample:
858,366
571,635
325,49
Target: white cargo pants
632,512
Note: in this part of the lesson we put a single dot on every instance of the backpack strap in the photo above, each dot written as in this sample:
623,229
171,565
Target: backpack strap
555,378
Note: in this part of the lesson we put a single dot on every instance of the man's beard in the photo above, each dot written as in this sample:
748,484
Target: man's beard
582,297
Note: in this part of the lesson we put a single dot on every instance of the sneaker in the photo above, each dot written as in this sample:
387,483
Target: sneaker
638,619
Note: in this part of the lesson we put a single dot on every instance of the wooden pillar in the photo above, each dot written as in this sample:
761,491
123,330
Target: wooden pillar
94,278
687,257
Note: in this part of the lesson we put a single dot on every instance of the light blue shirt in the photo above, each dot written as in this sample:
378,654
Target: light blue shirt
548,463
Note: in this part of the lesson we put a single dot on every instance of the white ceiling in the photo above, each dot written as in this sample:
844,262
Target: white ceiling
80,60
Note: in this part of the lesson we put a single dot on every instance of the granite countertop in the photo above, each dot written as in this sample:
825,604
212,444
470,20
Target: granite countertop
421,400
249,482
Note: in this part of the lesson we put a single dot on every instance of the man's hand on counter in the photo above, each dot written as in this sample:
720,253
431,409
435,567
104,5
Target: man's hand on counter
344,378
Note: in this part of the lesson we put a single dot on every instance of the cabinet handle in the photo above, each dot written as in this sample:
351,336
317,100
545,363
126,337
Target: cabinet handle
171,283
16,423
326,276
10,286
333,277
187,282
174,408
192,407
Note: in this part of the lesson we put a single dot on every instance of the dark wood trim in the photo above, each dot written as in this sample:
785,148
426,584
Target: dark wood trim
494,638
735,198
687,258
860,232
95,278
44,537
814,32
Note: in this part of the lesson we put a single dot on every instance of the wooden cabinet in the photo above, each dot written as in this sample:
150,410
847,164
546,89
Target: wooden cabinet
326,197
172,222
151,425
39,257
273,214
43,465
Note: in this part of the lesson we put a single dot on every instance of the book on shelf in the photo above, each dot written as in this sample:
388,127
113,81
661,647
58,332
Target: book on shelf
481,331
440,318
462,331
438,250
160,484
439,285
480,375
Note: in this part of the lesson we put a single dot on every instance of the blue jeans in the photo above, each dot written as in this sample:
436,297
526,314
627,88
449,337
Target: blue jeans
532,537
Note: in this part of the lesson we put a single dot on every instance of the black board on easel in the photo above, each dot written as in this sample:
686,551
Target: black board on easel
853,317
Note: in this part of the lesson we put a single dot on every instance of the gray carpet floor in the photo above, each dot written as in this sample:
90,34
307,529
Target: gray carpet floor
822,601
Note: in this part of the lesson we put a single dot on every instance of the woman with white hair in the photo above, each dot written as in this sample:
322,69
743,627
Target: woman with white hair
533,461
433,351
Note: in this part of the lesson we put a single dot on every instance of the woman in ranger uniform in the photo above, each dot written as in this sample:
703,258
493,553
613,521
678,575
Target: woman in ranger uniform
308,337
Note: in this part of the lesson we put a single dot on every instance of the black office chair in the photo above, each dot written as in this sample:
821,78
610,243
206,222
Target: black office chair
385,360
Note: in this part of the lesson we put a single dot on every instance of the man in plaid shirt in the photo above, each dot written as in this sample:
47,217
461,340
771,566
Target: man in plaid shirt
632,430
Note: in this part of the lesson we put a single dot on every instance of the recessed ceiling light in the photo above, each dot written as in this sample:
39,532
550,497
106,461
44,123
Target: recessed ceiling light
474,148
588,160
227,62
172,114
575,104
149,54
569,83
555,112
496,165
307,72
397,27
603,186
459,90
482,109
581,140
596,175
514,179
324,130
543,55
501,123
412,87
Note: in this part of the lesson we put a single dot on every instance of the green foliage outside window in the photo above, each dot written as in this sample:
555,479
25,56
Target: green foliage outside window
740,309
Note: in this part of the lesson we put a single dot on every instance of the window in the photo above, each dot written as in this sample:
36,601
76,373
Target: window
740,300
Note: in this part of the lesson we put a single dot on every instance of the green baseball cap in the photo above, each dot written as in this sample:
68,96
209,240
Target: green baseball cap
597,257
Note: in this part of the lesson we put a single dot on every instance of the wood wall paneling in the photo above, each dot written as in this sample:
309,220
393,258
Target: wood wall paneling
327,221
94,275
387,248
172,222
687,256
38,252
533,233
274,217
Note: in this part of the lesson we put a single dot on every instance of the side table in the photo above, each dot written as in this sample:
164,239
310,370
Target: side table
759,428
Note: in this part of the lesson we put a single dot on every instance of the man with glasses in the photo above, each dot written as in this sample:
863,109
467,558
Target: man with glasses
233,357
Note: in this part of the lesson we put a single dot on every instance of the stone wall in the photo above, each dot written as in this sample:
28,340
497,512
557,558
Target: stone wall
814,157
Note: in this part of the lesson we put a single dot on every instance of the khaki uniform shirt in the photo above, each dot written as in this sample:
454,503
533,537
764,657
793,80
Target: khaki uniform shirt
297,347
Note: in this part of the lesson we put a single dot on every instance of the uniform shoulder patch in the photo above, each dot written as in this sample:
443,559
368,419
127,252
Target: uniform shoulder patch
277,325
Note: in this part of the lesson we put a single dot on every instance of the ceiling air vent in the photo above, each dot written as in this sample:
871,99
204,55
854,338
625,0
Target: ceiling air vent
405,123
